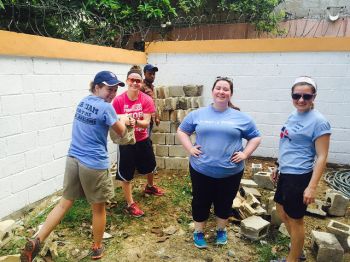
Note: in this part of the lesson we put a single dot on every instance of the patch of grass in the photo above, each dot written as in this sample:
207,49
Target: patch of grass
276,247
13,247
79,213
39,218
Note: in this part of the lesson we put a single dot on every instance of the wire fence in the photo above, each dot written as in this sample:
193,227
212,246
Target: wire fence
58,21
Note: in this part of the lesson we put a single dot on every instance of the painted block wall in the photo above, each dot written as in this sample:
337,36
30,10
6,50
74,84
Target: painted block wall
38,97
262,85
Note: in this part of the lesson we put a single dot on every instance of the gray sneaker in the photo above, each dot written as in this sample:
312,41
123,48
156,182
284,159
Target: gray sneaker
97,252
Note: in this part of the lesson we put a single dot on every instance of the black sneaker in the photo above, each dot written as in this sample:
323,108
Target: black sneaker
30,250
97,252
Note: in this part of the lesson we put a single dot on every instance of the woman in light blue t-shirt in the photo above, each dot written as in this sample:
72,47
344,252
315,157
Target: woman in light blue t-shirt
303,137
217,157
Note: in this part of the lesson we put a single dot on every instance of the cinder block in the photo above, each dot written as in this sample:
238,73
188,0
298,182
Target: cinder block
191,90
173,127
173,115
160,162
253,191
158,138
263,180
283,230
160,104
162,150
6,227
176,91
337,201
164,127
10,104
160,92
178,163
318,210
327,247
177,150
248,183
195,102
184,103
256,168
171,103
170,139
341,232
180,115
254,227
164,115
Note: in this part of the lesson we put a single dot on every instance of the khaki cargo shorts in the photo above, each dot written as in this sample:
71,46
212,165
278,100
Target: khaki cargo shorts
80,181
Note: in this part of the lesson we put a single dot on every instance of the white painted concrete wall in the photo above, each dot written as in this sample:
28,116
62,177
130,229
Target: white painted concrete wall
37,104
262,83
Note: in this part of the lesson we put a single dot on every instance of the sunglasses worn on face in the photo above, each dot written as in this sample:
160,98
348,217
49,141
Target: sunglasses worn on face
134,80
306,97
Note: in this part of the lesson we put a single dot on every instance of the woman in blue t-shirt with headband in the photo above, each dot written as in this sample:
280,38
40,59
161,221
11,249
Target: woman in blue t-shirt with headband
303,137
217,158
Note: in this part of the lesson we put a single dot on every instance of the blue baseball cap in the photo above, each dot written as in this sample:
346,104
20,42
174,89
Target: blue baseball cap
107,78
150,67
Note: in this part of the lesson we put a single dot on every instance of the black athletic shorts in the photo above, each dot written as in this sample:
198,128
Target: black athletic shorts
139,156
290,193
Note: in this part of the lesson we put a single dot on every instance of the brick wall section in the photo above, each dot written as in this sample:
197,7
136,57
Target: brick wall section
173,104
37,104
262,84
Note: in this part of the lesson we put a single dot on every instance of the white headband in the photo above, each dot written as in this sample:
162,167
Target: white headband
305,79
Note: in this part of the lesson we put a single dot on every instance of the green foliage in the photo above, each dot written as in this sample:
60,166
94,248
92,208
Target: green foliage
79,213
102,21
276,247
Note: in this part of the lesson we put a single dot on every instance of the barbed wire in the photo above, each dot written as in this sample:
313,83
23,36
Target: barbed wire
59,21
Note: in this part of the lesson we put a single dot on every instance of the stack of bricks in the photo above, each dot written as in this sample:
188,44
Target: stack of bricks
173,104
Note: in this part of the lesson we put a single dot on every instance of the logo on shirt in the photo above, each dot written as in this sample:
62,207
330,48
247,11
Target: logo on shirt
284,133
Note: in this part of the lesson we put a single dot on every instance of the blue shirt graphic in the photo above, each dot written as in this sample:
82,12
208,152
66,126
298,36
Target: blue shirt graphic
297,141
220,134
92,120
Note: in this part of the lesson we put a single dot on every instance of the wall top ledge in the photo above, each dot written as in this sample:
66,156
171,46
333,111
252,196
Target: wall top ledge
18,44
252,45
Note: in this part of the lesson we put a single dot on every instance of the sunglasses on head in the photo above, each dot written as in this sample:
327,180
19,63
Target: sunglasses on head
296,96
135,80
224,78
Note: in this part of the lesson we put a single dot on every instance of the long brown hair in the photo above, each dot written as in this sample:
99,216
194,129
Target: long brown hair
230,82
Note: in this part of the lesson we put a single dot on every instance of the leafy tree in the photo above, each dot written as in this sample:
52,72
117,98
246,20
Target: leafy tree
103,21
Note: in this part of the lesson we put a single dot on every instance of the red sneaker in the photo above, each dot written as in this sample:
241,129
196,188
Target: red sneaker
134,210
30,250
154,190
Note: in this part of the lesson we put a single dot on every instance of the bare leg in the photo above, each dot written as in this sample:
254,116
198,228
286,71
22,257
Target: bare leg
295,228
150,179
297,236
221,223
54,218
199,226
127,190
283,216
98,222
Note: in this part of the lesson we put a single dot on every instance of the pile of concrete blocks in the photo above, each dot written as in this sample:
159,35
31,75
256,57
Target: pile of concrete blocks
173,104
335,204
247,205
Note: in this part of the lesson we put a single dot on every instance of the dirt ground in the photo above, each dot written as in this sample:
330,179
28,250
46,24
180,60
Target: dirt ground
165,232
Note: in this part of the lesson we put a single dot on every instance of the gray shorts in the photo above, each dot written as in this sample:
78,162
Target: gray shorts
80,181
